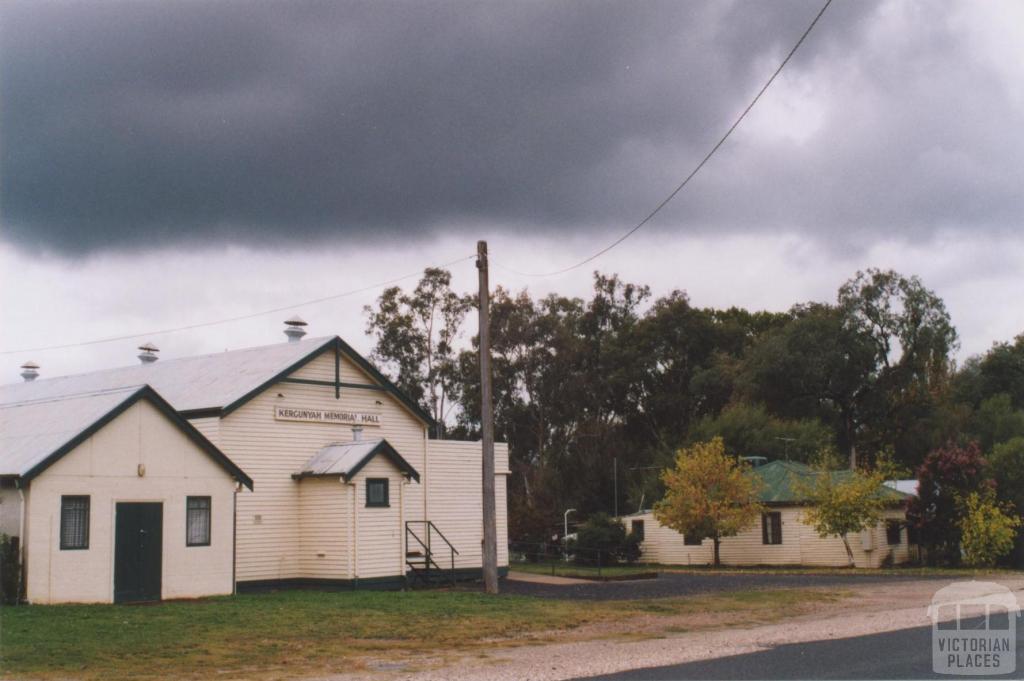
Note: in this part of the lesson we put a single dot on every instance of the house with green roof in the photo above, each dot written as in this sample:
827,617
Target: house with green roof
781,536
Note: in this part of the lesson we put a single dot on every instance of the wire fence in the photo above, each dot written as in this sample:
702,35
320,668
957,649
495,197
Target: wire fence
567,559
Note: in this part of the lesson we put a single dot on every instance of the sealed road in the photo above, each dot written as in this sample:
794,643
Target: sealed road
902,654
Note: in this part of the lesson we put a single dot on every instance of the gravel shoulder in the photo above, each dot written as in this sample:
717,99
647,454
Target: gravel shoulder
675,584
869,606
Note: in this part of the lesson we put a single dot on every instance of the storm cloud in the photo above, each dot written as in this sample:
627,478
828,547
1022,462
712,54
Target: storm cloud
129,126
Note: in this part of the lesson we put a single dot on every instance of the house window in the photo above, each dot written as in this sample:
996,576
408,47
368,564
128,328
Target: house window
637,528
74,523
892,532
377,492
197,521
771,528
692,540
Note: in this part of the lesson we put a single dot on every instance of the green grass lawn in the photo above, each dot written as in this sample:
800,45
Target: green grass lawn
300,633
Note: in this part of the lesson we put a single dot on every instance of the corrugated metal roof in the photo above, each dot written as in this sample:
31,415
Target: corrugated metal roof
784,480
347,458
339,458
188,383
31,431
908,487
36,433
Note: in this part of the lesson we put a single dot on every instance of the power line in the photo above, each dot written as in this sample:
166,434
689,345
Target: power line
227,320
689,177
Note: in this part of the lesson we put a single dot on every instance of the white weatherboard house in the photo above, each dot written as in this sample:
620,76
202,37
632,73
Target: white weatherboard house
348,488
781,536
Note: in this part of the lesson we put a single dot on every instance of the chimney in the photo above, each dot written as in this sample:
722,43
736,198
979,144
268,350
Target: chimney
29,371
293,328
357,433
148,354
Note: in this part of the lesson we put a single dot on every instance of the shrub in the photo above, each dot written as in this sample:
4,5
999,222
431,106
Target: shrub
603,538
630,551
947,475
987,529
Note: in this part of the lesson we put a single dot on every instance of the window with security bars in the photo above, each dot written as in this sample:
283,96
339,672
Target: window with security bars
74,523
377,492
771,528
197,521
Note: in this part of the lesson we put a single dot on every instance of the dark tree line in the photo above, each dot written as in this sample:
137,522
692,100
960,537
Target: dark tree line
580,383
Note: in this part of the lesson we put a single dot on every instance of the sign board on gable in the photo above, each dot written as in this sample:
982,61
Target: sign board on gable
351,418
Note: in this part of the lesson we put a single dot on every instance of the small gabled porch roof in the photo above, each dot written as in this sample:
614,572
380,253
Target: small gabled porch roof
346,459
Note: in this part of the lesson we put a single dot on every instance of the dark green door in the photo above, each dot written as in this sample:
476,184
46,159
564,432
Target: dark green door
138,552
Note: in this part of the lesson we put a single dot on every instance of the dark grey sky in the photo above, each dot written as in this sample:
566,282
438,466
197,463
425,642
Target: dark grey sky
140,124
171,163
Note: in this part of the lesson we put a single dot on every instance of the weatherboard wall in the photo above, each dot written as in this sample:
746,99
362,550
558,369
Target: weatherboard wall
270,519
455,497
106,468
209,427
801,545
324,544
380,530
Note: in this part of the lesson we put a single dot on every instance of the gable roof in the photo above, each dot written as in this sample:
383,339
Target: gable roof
782,482
348,458
35,434
214,384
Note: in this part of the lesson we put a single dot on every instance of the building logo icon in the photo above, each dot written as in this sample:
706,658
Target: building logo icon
974,629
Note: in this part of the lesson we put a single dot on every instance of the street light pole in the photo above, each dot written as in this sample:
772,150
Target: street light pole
565,533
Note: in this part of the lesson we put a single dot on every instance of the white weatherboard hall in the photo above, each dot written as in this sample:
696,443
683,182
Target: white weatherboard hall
347,486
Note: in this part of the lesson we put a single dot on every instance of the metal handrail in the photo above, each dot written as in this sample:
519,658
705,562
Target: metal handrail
429,558
438,530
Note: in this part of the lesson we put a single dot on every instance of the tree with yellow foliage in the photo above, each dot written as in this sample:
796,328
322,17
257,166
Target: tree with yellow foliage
988,528
709,494
846,501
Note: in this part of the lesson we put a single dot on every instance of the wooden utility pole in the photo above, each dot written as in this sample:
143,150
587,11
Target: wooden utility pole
490,562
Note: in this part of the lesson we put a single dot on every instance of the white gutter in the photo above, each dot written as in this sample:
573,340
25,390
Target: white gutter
234,539
353,555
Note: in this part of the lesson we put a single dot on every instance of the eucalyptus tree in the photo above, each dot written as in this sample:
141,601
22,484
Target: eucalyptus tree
913,339
417,336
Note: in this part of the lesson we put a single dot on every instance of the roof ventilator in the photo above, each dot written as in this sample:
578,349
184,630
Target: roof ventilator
148,354
29,371
294,328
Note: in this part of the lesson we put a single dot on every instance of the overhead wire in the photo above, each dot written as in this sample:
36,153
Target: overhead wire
686,180
227,320
588,259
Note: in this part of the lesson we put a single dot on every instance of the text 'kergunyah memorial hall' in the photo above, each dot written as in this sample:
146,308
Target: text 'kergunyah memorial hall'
291,464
